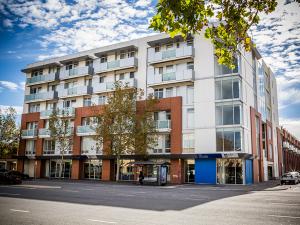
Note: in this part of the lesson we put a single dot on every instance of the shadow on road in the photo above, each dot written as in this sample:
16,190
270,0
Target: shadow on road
178,197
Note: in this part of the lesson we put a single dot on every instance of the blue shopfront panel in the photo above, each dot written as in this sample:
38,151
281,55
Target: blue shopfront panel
249,171
205,171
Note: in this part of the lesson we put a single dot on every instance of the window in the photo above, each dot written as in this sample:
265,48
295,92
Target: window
177,45
88,121
270,151
159,93
157,48
89,145
51,87
122,55
87,102
69,103
102,100
89,62
224,70
190,95
36,73
131,75
101,79
30,147
169,46
35,90
103,59
190,118
228,89
51,106
32,125
190,66
121,76
49,147
169,92
168,143
131,54
70,84
228,140
189,42
160,70
257,128
34,108
228,114
169,68
188,141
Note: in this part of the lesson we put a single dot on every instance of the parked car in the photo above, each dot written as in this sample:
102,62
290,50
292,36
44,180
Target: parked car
22,176
290,178
6,178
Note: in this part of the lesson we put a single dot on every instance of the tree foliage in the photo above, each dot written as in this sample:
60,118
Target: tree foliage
120,129
9,132
61,132
224,22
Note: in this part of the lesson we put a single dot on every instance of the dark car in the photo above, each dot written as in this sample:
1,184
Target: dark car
22,176
290,178
5,178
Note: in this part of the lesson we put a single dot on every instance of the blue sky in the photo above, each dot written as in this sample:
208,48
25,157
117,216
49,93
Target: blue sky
35,30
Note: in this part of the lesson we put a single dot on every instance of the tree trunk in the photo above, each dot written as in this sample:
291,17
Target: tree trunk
61,165
118,168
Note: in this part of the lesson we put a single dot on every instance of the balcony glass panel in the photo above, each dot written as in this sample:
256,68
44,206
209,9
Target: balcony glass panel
163,124
169,54
169,76
113,64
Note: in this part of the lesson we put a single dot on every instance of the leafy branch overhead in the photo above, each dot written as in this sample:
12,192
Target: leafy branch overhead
224,22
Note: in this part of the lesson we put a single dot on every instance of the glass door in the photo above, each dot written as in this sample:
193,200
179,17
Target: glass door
189,168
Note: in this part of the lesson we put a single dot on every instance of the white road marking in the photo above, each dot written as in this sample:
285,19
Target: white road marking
291,217
18,210
87,189
71,191
289,204
9,194
102,221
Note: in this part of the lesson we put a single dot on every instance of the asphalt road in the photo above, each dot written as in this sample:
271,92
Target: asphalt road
60,202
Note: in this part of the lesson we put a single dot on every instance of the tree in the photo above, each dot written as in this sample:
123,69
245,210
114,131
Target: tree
9,132
224,22
120,129
61,132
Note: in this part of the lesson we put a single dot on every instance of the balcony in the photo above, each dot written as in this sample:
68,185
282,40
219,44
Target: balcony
85,130
44,133
29,133
109,86
69,112
115,65
76,72
169,55
49,152
171,77
42,96
74,91
42,79
91,152
163,125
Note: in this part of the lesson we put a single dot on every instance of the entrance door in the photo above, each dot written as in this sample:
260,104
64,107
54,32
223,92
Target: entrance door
60,169
270,172
189,171
230,171
92,169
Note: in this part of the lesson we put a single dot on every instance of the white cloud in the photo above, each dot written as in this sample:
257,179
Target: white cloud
143,3
11,85
19,109
7,23
292,125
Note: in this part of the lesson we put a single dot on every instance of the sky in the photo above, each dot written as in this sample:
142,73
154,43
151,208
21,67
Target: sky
36,30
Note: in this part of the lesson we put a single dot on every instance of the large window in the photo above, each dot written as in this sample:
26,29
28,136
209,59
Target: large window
229,139
230,171
89,146
224,70
228,114
228,89
30,147
190,118
159,93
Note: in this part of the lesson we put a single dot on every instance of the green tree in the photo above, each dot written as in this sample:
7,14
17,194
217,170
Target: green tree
120,129
224,22
61,132
9,132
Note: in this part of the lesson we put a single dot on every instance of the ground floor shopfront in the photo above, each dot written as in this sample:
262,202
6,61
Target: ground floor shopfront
193,168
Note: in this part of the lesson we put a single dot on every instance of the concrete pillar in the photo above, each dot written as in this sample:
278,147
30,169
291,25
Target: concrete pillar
75,169
177,171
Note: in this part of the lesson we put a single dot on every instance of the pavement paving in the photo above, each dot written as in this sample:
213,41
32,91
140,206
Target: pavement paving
83,202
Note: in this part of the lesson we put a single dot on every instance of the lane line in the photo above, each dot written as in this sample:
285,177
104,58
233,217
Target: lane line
9,194
19,210
289,204
71,191
280,216
102,221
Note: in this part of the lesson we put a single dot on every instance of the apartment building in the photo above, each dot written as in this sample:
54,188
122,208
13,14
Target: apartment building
215,125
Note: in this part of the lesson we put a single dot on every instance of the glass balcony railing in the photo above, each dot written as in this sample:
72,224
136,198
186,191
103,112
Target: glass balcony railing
85,130
67,111
169,54
163,124
40,96
113,64
44,132
79,90
76,72
29,133
42,78
169,76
